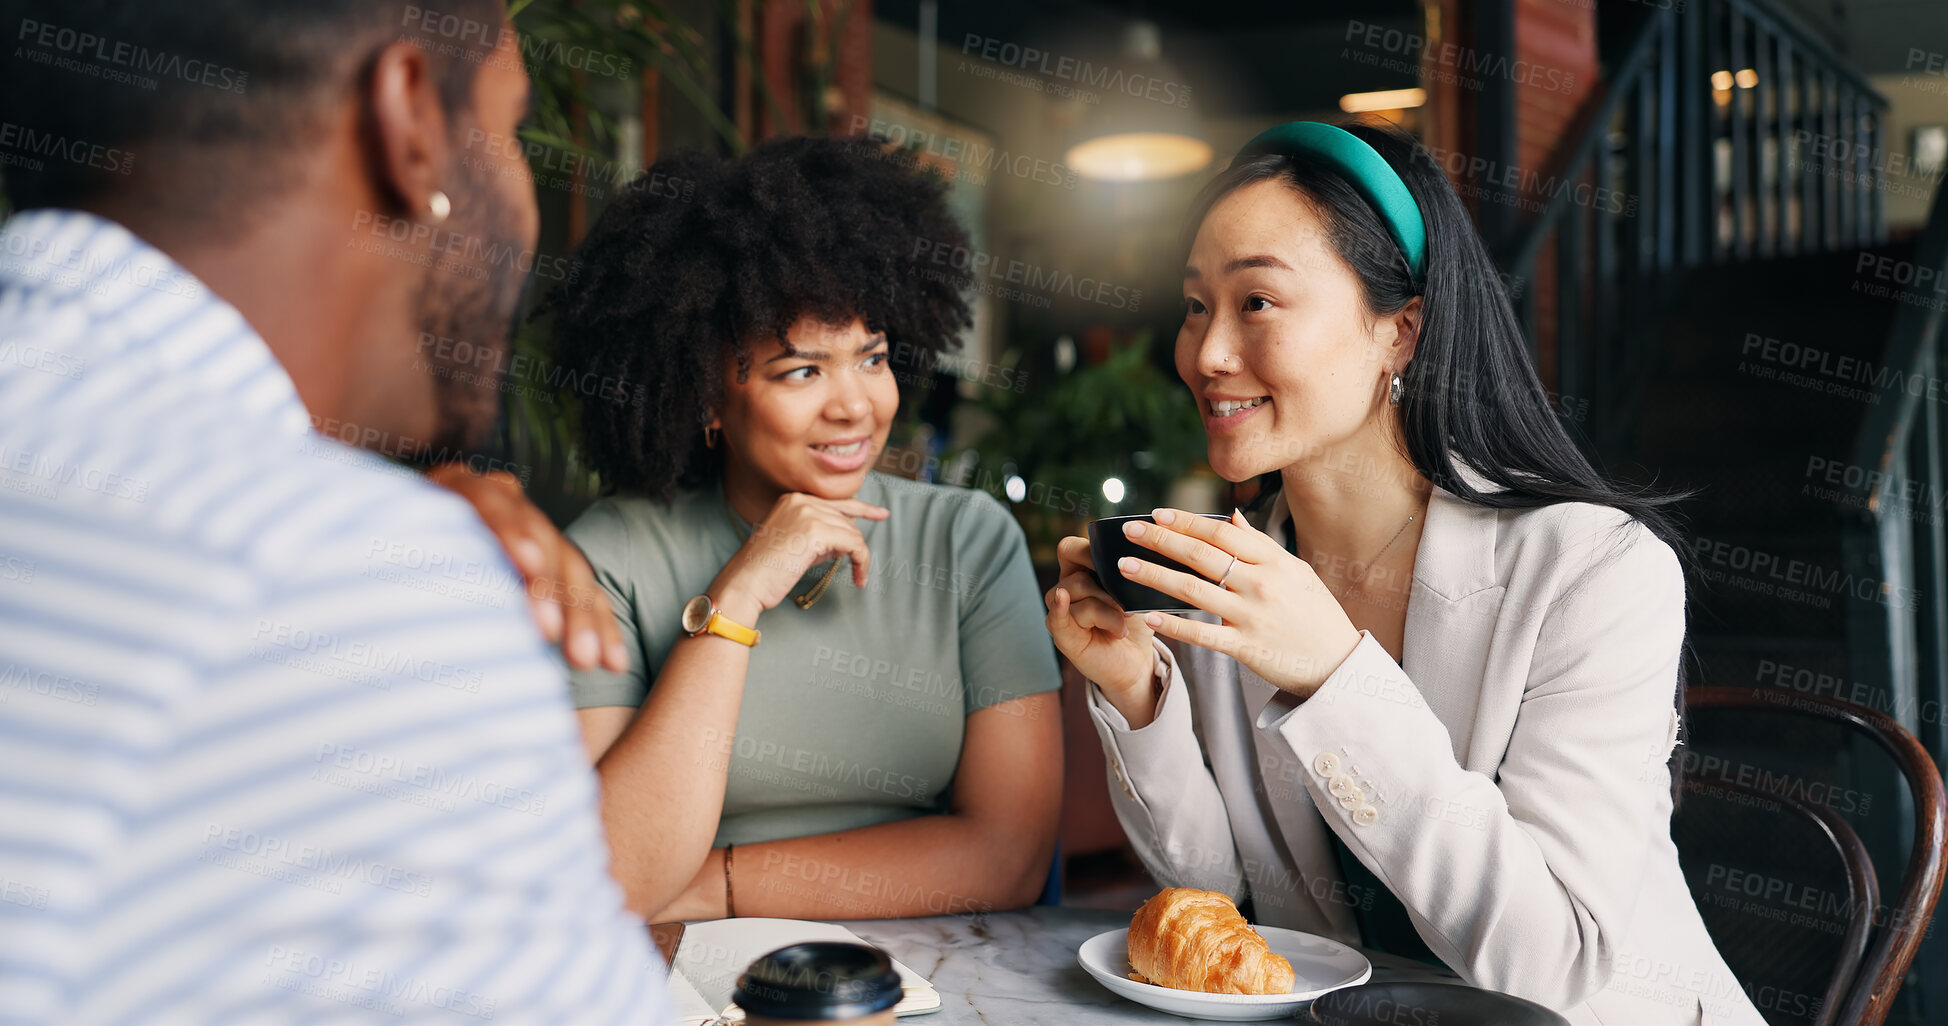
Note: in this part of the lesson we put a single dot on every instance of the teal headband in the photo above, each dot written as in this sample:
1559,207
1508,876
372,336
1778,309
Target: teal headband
1362,166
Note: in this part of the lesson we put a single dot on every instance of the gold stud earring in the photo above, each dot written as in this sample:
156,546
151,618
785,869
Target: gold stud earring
438,207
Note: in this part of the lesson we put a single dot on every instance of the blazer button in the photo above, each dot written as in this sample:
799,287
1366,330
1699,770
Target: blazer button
1342,785
1327,764
1366,815
1348,801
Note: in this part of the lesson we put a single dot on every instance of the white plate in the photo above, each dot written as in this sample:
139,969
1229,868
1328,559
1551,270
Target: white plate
1318,965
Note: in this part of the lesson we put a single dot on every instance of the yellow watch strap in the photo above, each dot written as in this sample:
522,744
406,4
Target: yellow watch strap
725,627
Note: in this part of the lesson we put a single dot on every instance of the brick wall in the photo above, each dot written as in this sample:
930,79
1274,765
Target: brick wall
1559,37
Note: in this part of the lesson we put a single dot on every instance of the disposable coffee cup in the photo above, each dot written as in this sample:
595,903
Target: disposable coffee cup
832,983
1108,543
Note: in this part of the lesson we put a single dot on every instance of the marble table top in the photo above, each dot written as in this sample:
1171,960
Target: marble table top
1019,968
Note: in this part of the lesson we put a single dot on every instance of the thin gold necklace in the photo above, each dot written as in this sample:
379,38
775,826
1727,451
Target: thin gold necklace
1367,568
812,594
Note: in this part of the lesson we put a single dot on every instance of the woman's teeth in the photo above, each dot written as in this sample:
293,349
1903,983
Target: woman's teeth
841,450
1227,407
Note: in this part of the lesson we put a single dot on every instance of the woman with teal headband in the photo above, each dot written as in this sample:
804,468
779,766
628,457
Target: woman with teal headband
1431,701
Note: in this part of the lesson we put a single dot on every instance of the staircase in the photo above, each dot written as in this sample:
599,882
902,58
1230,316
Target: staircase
1765,371
1750,334
1817,519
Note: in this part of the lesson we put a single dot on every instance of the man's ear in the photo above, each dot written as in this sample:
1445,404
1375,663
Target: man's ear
409,129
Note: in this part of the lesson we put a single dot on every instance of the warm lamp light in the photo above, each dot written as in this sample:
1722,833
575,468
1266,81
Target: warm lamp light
1136,138
1384,99
1139,156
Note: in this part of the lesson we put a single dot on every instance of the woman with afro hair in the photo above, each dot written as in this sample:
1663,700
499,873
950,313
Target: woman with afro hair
842,701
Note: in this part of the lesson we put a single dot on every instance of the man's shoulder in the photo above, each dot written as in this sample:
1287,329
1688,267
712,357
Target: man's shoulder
354,516
259,514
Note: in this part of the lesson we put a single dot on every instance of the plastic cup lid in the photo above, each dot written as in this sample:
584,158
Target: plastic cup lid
821,980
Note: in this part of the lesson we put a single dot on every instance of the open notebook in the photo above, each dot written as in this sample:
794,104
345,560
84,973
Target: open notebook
710,956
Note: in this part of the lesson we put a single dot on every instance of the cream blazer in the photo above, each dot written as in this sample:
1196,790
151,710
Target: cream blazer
1507,781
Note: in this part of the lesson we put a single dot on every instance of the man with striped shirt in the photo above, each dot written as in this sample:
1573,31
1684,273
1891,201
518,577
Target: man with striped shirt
282,741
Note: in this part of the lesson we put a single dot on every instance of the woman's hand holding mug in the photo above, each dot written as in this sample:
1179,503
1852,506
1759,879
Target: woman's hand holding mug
1277,616
1107,645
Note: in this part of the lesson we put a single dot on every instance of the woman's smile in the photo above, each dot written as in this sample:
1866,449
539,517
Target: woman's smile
1225,413
845,456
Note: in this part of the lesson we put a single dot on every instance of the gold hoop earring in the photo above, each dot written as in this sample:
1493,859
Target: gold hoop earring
438,207
710,437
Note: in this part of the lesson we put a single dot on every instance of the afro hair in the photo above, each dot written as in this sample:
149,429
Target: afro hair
699,257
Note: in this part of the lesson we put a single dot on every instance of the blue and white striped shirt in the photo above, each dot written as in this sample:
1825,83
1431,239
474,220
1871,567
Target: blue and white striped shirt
281,741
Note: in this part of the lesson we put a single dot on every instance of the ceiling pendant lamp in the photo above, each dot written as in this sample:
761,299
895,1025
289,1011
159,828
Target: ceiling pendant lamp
1145,128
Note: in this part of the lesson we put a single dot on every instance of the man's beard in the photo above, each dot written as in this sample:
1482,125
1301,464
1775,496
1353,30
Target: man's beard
470,299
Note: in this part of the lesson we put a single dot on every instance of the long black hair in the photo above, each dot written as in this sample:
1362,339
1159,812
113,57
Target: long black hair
1470,392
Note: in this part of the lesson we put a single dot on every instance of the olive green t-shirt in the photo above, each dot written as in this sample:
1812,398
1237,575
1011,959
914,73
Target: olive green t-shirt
854,709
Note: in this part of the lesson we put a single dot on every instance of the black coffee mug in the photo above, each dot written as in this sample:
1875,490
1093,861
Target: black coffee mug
821,981
1412,1001
1108,543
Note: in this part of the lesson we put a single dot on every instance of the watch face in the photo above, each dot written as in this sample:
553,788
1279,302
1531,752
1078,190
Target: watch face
696,613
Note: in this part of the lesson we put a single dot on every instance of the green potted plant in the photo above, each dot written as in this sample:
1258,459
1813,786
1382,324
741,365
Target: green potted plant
1099,440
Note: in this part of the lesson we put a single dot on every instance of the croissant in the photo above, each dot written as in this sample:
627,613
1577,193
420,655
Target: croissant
1189,939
